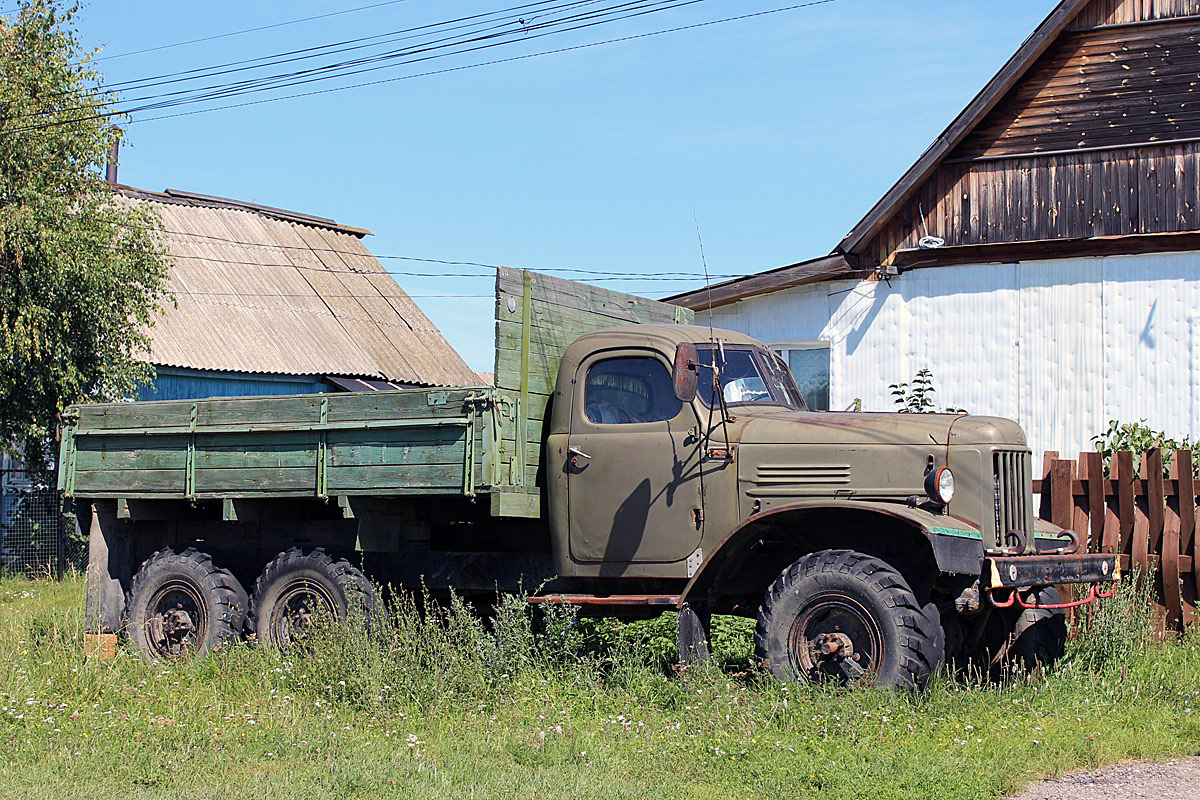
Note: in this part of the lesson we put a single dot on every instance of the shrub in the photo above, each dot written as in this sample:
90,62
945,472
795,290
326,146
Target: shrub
1115,632
917,397
1138,437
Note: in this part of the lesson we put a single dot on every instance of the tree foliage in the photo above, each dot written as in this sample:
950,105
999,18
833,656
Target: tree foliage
1139,438
82,276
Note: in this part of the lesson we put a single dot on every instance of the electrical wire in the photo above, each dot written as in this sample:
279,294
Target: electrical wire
607,275
371,64
493,62
249,30
518,25
512,13
125,112
597,277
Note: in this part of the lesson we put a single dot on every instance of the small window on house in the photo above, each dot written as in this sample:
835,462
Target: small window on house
620,391
809,364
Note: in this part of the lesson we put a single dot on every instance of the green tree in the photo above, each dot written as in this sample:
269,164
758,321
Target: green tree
82,276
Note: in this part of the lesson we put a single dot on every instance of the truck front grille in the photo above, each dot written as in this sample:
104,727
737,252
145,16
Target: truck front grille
1010,474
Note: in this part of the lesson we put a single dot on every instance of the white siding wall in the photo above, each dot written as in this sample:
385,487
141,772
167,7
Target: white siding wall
1062,345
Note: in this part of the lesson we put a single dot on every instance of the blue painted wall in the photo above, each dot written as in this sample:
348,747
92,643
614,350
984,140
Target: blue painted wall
186,384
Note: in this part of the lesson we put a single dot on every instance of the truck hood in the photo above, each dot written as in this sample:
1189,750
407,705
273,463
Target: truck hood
759,426
986,430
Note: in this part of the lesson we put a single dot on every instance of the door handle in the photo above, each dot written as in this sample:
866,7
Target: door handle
577,454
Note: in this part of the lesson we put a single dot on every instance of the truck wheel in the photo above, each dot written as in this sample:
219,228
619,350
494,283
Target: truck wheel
1040,635
300,585
180,603
845,616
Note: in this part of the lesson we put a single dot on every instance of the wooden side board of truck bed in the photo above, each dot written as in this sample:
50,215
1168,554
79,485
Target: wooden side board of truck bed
417,441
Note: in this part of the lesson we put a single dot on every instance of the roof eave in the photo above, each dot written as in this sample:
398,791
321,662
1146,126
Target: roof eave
181,197
812,271
1047,249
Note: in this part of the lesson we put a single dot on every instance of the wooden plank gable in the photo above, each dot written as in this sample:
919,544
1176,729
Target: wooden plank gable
1098,136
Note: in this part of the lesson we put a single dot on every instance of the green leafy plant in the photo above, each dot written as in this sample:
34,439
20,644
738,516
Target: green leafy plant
917,397
1138,438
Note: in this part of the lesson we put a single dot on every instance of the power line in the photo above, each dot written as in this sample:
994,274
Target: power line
314,296
493,62
598,277
430,73
513,13
519,22
249,30
497,36
606,275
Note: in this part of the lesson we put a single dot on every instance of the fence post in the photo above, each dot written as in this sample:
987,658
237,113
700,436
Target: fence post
61,541
1123,476
1185,488
1062,501
1171,577
1062,508
1092,465
1046,506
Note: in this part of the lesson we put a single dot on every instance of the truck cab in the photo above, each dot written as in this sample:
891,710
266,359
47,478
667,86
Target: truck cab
687,455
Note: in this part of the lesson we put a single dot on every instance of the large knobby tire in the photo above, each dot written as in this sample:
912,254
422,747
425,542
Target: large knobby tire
845,616
300,585
180,604
1040,634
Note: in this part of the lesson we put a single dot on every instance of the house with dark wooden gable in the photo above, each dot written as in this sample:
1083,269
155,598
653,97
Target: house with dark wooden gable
269,301
1041,258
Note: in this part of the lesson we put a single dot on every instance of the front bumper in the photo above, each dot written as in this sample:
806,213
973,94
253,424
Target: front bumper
1034,570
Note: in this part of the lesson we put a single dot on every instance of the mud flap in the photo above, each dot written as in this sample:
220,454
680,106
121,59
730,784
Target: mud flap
691,636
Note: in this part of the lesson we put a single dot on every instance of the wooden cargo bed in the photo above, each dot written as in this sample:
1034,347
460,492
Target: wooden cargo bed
418,441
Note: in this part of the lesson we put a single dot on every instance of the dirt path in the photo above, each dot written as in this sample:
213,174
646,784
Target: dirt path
1174,780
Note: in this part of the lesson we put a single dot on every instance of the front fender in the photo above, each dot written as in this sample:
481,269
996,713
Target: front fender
956,545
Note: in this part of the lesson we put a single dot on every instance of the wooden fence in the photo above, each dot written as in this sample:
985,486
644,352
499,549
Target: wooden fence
1148,518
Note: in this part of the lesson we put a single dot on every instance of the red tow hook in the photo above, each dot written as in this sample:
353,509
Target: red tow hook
1015,598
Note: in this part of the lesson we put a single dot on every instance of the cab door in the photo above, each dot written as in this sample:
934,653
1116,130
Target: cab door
633,463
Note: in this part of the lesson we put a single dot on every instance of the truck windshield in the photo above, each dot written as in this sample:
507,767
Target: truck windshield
749,375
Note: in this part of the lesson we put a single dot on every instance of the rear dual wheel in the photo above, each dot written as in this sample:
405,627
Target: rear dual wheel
301,585
180,604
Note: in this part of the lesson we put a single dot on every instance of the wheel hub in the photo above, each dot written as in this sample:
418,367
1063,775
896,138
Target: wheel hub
297,609
177,620
837,645
834,637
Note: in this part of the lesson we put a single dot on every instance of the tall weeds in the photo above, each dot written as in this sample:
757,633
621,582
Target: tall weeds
1113,633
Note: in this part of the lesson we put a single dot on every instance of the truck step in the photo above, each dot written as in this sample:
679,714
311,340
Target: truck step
607,599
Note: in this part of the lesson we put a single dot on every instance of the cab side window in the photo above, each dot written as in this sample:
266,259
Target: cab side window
631,389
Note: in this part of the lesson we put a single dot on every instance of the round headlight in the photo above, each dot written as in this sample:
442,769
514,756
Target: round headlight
939,485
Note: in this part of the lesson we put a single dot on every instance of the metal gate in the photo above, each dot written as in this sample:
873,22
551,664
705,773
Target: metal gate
35,537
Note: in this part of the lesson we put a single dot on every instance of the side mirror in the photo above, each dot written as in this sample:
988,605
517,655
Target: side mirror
685,372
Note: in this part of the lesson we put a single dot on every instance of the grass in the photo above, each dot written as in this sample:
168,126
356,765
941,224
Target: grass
441,705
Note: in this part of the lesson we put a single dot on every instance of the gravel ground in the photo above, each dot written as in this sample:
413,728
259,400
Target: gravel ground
1174,780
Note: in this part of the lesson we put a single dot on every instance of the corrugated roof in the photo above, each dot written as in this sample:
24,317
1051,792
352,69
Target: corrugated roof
271,291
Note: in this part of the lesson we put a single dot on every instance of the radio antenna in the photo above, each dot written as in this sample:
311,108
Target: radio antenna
718,392
707,282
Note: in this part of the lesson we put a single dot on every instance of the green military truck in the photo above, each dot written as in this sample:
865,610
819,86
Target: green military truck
626,461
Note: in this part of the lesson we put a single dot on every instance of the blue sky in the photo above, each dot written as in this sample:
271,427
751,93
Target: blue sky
776,132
